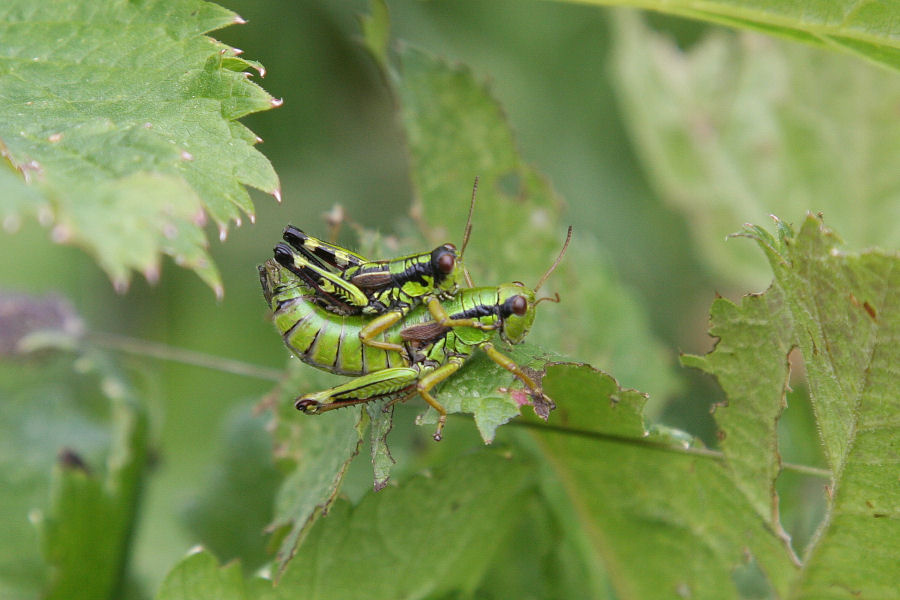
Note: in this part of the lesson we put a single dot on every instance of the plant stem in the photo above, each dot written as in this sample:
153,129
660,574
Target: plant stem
189,357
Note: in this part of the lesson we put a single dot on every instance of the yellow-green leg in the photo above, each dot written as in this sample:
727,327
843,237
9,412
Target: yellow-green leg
380,324
381,384
432,379
508,364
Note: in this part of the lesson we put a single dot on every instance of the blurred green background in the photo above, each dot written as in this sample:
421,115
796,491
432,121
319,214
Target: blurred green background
336,140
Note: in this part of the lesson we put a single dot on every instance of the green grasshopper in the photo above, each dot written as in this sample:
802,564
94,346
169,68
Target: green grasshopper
348,284
432,351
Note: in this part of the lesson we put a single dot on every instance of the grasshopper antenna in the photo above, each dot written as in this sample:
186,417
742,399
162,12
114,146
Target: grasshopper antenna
556,262
468,232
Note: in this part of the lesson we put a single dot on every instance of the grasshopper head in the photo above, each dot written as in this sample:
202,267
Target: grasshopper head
275,280
446,266
517,303
516,311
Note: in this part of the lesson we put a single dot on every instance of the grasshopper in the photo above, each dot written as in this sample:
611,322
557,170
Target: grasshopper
432,351
348,284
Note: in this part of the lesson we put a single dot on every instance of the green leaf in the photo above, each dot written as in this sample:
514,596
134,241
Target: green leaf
868,30
842,311
741,126
121,118
73,444
381,422
88,526
750,363
376,30
314,451
434,534
199,577
483,388
846,314
235,502
629,497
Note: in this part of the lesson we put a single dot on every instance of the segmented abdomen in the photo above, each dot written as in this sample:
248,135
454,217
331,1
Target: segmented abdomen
328,341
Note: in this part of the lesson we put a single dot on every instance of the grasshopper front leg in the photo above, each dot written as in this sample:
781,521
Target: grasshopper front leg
510,365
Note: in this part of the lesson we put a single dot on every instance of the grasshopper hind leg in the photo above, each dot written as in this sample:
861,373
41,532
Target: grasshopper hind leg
392,384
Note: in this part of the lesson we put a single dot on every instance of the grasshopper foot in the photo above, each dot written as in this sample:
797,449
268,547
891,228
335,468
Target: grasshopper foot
440,427
307,406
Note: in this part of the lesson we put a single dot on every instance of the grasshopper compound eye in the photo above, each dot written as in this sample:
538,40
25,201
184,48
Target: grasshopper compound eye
514,305
444,258
519,305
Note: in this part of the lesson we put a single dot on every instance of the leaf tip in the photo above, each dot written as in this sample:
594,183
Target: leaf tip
151,274
70,459
61,234
11,223
120,284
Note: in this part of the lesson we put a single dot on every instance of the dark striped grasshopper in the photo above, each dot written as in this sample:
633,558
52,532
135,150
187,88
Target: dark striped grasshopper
348,284
431,351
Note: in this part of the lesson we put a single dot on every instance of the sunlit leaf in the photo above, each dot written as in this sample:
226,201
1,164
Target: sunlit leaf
868,30
121,118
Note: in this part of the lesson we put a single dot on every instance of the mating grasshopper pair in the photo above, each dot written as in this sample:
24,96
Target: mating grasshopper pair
395,339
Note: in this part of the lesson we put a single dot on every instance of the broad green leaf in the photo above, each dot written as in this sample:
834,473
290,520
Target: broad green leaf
742,126
314,451
456,130
73,445
199,577
750,363
122,120
432,535
846,317
841,311
662,523
485,389
869,30
235,501
88,526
